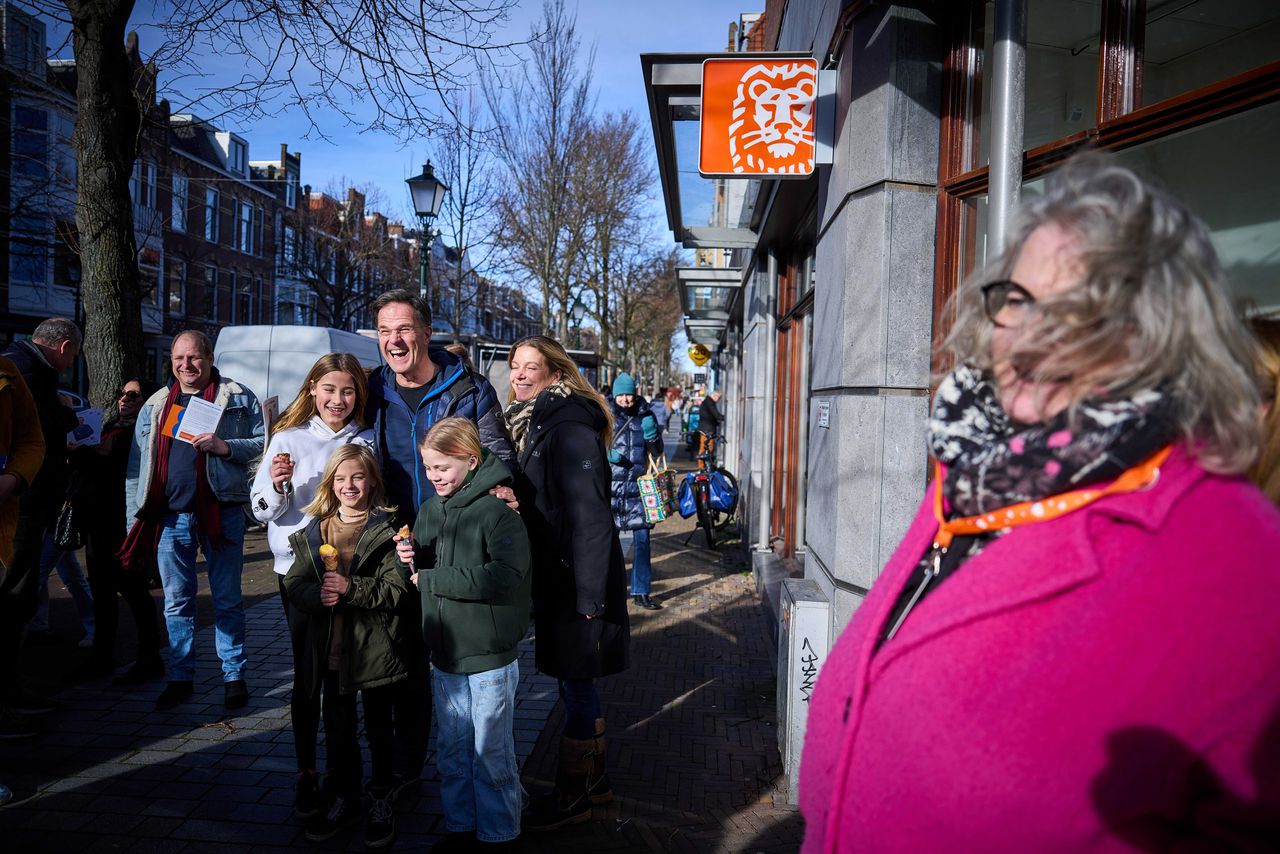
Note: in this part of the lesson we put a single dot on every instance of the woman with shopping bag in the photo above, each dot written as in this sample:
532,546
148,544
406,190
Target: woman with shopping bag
636,440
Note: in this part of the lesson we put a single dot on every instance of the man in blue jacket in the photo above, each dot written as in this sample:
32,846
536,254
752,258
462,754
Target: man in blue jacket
419,385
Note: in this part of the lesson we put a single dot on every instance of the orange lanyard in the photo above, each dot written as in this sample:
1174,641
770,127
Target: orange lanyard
1141,476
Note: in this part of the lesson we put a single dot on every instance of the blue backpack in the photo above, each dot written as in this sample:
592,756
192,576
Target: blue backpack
724,495
684,497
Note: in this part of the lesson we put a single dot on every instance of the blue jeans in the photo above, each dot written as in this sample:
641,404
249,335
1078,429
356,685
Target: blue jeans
51,558
476,751
179,539
641,569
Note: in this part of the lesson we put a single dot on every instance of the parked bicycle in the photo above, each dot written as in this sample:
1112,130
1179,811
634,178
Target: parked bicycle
710,492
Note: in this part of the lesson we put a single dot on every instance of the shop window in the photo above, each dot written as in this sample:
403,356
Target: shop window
1192,44
1237,154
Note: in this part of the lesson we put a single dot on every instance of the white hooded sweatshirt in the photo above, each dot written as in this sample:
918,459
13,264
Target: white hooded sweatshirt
310,445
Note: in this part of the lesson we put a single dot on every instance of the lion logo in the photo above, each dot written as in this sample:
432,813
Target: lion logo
772,127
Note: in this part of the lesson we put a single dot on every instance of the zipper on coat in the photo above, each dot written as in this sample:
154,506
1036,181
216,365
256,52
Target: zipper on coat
930,574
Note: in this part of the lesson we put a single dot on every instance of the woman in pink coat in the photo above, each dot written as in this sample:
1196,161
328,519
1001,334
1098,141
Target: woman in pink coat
1085,653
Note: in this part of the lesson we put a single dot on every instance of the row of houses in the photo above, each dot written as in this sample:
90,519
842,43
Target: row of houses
223,238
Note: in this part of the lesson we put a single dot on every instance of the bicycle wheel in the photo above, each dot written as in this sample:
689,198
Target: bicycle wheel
720,519
705,520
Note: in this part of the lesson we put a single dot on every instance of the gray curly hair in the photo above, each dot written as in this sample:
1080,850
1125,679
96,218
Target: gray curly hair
1151,310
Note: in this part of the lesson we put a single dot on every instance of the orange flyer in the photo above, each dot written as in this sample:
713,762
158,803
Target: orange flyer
173,421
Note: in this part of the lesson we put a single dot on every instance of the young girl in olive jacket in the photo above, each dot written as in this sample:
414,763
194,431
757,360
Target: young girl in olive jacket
348,582
471,556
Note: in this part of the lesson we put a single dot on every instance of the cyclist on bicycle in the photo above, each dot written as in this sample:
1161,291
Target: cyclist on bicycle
635,439
709,421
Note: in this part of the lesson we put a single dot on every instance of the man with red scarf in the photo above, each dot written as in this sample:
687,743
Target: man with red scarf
181,496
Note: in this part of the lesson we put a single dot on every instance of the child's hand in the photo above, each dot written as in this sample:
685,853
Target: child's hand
332,587
404,551
414,579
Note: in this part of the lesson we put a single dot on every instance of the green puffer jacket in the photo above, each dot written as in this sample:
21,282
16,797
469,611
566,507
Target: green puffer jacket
378,644
472,555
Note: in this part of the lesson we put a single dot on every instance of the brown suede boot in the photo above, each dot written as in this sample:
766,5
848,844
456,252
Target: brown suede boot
599,789
568,802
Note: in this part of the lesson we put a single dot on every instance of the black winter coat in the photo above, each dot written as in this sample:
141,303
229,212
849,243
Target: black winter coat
380,645
577,561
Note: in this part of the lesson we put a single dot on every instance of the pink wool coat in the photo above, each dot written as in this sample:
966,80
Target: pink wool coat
1105,681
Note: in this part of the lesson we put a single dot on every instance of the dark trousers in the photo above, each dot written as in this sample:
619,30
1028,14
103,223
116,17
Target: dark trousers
107,578
411,703
19,592
304,706
581,707
411,710
343,765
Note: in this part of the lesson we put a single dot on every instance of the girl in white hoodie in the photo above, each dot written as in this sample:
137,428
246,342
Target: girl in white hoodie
327,413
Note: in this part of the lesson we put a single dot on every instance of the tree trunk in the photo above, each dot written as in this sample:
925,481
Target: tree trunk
106,145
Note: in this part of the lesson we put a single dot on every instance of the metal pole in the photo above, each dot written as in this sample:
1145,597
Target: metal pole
1008,106
424,248
770,332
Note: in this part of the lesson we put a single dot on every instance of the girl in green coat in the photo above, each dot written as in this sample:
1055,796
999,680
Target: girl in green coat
471,557
348,583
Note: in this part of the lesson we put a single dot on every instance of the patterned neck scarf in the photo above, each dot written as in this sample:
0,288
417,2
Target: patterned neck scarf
993,462
519,414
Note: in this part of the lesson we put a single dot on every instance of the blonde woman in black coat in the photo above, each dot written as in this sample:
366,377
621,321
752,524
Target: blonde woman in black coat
561,427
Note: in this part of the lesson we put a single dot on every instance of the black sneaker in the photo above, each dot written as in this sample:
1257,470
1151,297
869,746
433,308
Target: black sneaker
307,802
342,813
235,694
175,693
379,819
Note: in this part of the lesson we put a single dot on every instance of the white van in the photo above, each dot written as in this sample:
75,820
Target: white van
273,360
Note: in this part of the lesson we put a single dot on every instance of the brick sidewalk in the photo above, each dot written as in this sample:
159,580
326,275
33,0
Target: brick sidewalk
693,752
692,746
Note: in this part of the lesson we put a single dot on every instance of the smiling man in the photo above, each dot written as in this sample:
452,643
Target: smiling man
419,385
182,496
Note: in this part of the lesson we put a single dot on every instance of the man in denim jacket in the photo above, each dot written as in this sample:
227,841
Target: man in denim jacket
180,505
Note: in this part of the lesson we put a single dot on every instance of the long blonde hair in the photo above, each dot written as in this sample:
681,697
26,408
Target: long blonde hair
559,361
304,405
326,503
1266,471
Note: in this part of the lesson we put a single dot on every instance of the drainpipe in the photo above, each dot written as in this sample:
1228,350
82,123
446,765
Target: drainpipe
1008,106
769,405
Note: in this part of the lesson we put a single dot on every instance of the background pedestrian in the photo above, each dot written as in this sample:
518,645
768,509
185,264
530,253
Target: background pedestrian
636,439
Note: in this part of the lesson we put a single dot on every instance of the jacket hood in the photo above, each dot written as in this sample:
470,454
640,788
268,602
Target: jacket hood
639,406
317,428
552,410
490,473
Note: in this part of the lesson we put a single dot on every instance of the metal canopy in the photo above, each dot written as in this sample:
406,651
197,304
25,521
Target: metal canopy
673,87
709,293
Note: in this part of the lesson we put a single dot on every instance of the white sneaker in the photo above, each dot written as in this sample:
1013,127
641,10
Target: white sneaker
86,642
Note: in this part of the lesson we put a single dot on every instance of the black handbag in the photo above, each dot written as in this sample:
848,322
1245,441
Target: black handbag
67,534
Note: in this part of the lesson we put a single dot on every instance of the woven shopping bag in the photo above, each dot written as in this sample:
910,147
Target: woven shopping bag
657,490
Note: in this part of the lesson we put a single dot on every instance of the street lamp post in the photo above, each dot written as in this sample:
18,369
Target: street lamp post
428,195
577,312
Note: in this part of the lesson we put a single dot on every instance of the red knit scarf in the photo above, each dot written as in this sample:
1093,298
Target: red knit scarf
141,546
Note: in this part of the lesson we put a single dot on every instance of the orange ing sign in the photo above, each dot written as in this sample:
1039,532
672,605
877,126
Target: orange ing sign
758,117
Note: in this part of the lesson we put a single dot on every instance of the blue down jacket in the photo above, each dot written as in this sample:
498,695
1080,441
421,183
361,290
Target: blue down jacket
635,436
397,430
